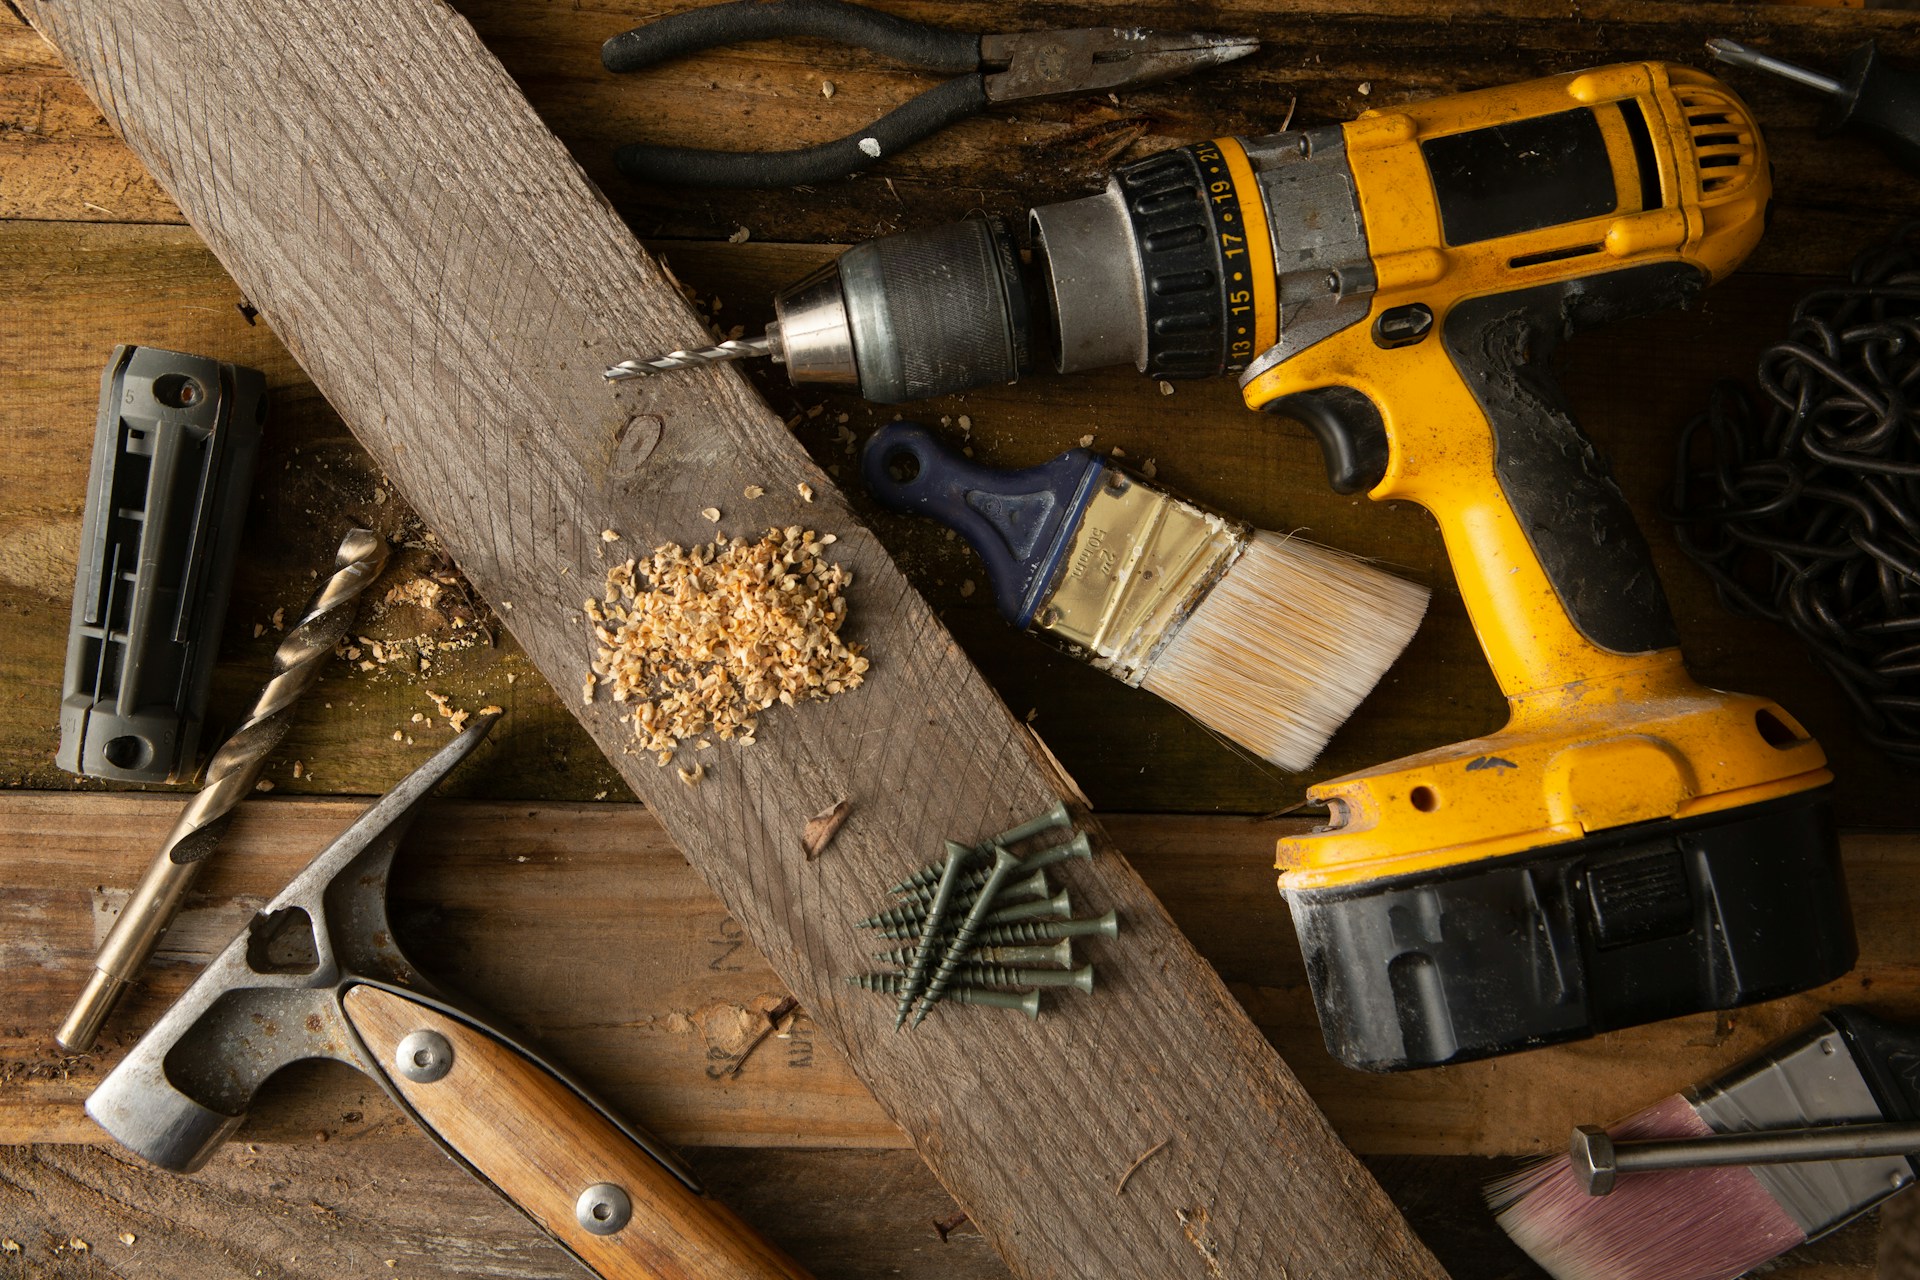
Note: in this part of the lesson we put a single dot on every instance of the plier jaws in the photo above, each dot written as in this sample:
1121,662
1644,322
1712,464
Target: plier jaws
1031,66
985,69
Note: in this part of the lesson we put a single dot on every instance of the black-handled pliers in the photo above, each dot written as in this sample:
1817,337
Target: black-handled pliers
996,68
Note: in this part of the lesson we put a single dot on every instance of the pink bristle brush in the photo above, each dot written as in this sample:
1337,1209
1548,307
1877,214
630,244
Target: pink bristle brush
1854,1074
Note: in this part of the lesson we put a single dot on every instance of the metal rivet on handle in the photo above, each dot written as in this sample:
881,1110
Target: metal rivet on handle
603,1208
423,1056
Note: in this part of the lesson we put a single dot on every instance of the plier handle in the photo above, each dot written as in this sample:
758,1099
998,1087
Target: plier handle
992,68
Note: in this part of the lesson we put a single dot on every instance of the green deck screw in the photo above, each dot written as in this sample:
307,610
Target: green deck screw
994,975
1004,865
1058,954
1034,886
1027,1002
1078,847
1059,904
957,857
1052,818
1106,926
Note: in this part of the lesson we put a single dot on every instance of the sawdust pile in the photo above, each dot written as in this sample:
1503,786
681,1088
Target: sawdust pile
707,639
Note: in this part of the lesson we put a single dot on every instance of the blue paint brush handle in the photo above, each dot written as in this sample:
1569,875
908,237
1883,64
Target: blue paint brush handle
1020,522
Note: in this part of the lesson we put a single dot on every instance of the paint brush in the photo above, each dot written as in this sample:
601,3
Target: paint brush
1268,640
1587,1215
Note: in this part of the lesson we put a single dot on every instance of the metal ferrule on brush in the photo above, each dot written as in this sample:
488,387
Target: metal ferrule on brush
1131,571
1812,1079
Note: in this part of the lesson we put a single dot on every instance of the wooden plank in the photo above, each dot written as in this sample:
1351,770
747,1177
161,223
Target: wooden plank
388,1203
436,262
506,898
61,163
80,289
346,1208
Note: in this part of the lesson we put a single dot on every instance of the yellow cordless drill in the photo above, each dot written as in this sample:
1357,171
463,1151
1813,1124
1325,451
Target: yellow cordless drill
1631,846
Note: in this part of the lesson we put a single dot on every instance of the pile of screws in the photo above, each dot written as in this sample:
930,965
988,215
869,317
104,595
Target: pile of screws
982,924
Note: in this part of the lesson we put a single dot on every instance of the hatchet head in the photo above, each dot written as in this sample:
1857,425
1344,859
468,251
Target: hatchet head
274,995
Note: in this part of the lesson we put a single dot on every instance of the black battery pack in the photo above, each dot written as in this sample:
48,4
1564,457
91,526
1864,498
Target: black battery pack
1627,926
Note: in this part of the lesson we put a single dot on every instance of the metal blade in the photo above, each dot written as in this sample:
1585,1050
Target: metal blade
1058,64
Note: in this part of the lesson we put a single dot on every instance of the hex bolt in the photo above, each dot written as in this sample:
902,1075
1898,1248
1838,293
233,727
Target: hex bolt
994,975
1053,818
1106,926
1059,904
1004,865
1034,886
1058,954
1027,1002
957,857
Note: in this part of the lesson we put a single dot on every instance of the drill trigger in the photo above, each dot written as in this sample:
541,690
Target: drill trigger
1351,432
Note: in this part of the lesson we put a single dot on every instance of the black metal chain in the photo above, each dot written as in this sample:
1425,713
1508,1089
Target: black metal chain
1810,516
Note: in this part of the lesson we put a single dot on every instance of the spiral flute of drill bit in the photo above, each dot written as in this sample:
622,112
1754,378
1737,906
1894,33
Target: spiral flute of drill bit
230,778
719,353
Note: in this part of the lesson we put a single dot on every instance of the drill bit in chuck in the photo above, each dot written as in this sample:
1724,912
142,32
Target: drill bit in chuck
231,775
736,349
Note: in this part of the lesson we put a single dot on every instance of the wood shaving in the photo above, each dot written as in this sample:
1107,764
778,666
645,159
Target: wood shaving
805,490
1086,441
704,640
711,513
608,535
754,491
822,827
692,776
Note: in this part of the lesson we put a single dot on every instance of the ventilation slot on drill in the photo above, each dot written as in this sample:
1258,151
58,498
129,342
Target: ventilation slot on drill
1553,255
1723,141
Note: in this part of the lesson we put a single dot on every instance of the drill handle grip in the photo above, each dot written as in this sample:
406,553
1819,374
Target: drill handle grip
1564,499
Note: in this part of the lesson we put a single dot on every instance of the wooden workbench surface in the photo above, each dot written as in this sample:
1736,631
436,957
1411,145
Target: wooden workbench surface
539,860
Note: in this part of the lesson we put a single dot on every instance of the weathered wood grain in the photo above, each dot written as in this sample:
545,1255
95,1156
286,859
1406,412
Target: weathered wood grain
81,288
389,1203
505,900
432,257
346,1208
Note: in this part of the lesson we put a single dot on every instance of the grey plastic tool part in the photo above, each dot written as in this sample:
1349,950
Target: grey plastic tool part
174,448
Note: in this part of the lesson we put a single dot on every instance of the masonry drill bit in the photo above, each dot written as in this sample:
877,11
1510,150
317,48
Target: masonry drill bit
736,349
230,777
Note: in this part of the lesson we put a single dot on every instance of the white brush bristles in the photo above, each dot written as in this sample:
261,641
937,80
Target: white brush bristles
1680,1224
1285,645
